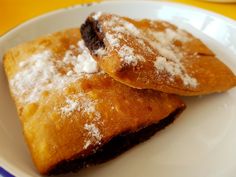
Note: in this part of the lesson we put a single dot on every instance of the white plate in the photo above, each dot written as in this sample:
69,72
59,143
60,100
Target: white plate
201,143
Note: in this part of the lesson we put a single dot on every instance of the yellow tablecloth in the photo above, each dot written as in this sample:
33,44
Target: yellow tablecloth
14,12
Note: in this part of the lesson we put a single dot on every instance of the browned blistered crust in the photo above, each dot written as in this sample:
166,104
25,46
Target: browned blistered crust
55,139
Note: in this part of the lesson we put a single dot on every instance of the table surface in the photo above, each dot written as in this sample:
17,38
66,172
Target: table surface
14,12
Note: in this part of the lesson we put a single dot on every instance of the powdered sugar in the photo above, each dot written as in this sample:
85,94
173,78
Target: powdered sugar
100,52
162,64
86,107
97,15
160,43
174,69
120,25
94,134
189,81
37,74
41,72
127,55
70,107
83,63
80,102
163,42
170,35
93,131
113,40
118,29
170,57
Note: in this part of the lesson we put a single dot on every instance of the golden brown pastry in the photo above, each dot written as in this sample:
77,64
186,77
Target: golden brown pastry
157,55
72,113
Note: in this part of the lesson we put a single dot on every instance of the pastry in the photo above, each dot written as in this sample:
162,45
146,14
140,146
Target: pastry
150,54
73,114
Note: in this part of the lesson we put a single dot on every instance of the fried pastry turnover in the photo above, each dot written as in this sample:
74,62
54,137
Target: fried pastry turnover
149,54
73,114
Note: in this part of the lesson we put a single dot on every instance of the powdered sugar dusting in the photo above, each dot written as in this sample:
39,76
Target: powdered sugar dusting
37,74
97,15
86,107
118,29
82,63
41,72
100,52
80,102
94,134
170,57
85,62
127,55
113,40
174,69
160,44
70,107
170,35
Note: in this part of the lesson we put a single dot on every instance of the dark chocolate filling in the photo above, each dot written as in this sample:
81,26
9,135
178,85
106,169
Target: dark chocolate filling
91,35
114,147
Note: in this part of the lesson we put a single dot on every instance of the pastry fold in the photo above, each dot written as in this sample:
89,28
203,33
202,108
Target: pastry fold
150,54
73,114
